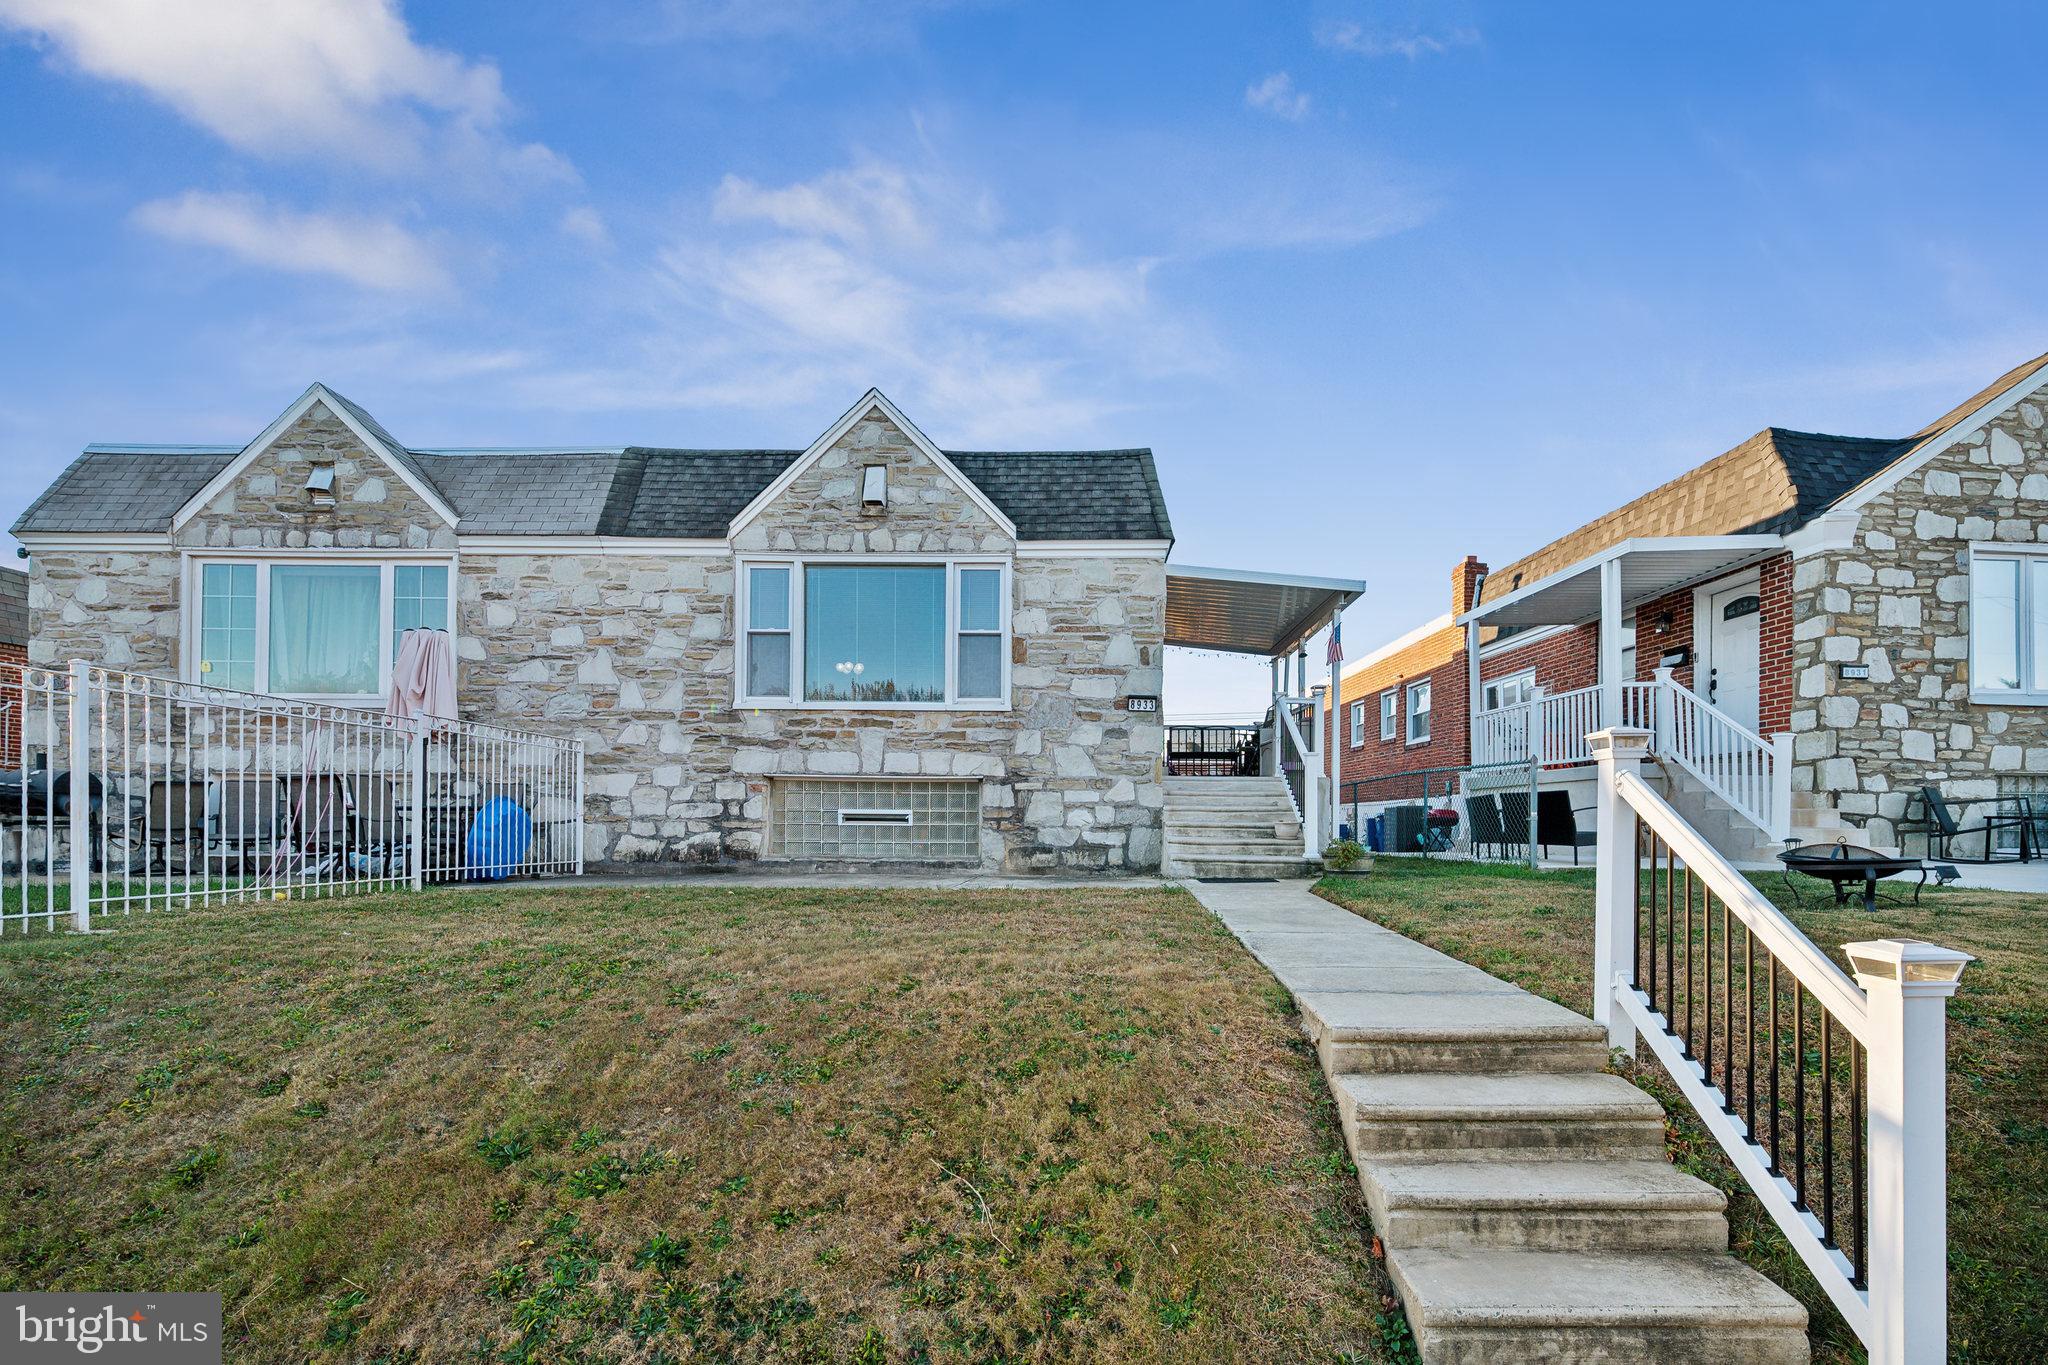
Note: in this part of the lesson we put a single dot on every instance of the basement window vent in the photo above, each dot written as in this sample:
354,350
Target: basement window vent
874,817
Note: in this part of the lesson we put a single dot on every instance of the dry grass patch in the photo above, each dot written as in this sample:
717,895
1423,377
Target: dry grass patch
699,1122
1536,930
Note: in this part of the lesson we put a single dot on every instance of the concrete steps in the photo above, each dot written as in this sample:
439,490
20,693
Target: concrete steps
1521,1191
1231,828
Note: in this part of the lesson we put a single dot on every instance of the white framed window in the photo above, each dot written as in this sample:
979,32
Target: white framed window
2008,625
1514,690
320,627
1418,712
1390,714
874,632
1357,724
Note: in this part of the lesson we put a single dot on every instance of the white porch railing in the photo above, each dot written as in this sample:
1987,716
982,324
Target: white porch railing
133,792
1753,775
1301,764
1828,1094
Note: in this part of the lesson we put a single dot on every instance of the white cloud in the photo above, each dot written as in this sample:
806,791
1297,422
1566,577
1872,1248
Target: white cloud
586,225
1414,45
373,252
331,77
865,202
1276,95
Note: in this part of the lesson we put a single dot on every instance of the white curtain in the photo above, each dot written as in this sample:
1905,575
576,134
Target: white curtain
323,628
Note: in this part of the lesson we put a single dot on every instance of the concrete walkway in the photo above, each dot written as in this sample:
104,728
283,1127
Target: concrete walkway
1521,1191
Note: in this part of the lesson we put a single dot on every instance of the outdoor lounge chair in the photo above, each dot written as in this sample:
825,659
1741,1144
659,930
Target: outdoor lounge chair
1938,825
1557,822
245,820
176,817
1483,814
1515,825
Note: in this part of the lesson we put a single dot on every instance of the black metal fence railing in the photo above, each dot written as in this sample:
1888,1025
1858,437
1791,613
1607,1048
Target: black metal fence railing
1784,1065
1212,751
1486,811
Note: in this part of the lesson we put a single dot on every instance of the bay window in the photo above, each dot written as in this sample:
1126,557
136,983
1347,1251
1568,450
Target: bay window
2008,626
310,627
834,632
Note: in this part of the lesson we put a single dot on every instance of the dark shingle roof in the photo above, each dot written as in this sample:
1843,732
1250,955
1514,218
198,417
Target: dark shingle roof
639,491
121,491
1072,494
405,457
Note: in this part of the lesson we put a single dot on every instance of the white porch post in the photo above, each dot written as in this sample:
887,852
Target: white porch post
1618,750
79,758
1610,643
1908,984
1472,690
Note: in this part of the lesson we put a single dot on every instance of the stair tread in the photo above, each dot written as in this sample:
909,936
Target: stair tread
1509,1288
1448,1016
1544,1185
1477,1097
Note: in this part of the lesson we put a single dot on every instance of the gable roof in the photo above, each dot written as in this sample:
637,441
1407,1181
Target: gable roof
871,401
629,491
1775,482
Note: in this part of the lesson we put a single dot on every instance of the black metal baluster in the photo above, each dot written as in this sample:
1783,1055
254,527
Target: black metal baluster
1827,1130
1749,1029
1727,1021
1685,1032
1707,975
1859,1118
1799,1089
1771,965
1670,941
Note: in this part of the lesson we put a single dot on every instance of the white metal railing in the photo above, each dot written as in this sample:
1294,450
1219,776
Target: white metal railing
136,792
1300,763
1753,775
1828,1094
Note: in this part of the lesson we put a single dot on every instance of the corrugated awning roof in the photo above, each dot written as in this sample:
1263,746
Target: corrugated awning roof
1242,612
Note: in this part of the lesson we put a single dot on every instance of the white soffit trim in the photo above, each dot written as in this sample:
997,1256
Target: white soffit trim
1889,477
1093,549
89,540
591,545
1834,529
1495,647
315,393
873,398
1757,543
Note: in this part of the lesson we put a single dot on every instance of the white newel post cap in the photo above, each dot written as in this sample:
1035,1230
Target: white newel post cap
1916,967
1619,742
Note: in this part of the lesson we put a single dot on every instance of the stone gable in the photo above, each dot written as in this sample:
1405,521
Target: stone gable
821,513
268,507
1899,602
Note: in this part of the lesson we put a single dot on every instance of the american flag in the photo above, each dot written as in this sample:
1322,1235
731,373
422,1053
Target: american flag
1336,655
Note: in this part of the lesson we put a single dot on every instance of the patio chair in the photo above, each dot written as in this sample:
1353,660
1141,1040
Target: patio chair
1515,825
316,820
175,817
379,833
1936,823
1483,811
1557,822
246,819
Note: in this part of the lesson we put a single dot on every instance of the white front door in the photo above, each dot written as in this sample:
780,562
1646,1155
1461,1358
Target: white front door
1727,676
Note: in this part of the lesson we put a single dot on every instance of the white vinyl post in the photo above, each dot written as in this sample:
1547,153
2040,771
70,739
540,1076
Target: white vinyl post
1781,787
1610,642
1908,984
79,781
1473,689
1618,750
1312,785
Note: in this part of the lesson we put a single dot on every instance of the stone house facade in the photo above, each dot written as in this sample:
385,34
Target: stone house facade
868,648
1882,601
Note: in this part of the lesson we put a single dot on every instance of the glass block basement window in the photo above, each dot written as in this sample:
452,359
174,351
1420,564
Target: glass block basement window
880,820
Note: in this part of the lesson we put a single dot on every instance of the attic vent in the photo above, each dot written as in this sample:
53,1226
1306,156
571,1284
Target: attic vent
874,817
874,486
321,480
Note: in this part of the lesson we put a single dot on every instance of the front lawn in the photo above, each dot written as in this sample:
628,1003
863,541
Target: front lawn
1535,929
692,1122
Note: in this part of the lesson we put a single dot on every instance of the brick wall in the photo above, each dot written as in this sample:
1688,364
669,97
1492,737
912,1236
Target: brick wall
1655,636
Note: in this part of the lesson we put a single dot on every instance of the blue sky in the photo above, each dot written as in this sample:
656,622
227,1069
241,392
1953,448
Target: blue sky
1381,283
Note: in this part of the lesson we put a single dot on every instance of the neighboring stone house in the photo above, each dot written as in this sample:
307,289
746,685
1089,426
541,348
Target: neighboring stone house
13,650
769,653
1882,601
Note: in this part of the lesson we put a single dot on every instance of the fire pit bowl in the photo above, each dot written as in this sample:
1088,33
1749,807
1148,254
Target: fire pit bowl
1843,862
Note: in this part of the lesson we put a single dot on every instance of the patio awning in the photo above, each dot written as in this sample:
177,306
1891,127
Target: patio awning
1650,567
1236,610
